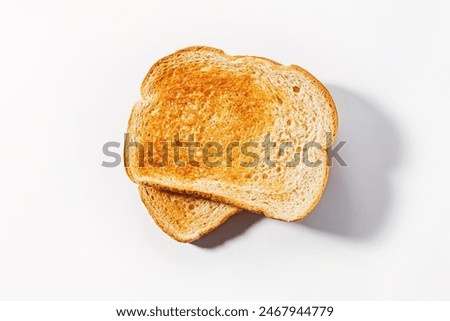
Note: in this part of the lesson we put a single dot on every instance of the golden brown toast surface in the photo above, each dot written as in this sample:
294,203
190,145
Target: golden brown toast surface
223,99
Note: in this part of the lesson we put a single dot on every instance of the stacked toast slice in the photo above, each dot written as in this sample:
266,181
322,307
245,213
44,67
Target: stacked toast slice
214,133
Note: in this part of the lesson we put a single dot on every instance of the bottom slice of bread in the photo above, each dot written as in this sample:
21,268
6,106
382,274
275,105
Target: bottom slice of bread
185,218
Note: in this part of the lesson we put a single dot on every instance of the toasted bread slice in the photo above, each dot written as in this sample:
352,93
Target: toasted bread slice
184,218
204,93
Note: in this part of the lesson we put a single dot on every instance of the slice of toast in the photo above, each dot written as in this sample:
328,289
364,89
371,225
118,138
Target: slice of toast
204,93
184,218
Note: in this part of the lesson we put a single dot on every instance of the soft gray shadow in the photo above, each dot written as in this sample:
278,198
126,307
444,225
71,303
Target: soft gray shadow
235,226
356,202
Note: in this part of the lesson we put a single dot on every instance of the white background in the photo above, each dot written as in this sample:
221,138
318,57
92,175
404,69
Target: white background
72,229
